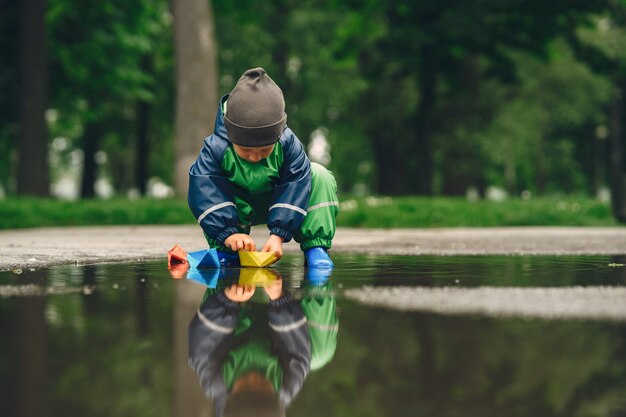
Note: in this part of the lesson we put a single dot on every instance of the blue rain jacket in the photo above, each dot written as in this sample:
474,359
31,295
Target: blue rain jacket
211,195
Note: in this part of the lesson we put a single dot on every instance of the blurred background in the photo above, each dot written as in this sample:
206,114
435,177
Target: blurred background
483,99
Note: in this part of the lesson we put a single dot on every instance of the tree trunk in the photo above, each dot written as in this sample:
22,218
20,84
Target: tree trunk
540,176
463,160
91,142
142,144
196,82
616,163
142,151
423,118
391,178
510,174
599,167
32,177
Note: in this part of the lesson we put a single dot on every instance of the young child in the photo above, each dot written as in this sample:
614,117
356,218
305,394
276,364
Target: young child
253,170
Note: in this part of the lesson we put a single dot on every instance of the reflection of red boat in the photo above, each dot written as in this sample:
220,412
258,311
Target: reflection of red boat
179,270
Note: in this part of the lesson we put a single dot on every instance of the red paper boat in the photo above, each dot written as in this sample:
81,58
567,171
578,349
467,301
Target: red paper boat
176,255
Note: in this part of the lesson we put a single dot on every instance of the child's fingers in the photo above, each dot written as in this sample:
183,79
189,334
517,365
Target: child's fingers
247,243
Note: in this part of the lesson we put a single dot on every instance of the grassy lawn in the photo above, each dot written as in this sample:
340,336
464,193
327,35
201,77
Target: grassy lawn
370,212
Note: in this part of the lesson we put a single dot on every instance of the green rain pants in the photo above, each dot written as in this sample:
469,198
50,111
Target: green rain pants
318,227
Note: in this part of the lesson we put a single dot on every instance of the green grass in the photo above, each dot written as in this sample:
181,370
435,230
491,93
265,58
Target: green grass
458,212
33,212
355,212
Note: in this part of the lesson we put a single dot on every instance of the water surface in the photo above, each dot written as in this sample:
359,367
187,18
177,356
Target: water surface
111,340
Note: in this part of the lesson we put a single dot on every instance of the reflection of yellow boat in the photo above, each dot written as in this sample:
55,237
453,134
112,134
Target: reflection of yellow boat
258,277
257,259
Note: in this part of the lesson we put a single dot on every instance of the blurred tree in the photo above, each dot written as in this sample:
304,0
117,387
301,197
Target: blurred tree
437,49
98,72
32,176
142,150
412,97
602,49
196,82
296,43
9,75
542,121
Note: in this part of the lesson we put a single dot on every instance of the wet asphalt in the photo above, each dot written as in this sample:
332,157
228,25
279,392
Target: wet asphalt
42,247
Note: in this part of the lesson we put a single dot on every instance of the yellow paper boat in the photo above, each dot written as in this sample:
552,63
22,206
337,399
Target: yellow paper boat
258,277
257,259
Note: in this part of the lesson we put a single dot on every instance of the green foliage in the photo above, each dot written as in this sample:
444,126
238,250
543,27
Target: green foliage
107,58
297,44
513,104
533,139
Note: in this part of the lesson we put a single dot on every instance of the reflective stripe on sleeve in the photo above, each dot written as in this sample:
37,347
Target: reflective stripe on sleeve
288,206
215,207
214,326
289,327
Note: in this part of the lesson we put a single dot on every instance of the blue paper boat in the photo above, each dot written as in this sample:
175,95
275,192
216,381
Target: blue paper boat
203,259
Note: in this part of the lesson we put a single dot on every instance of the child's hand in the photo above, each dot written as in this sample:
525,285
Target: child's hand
275,289
240,241
239,293
274,244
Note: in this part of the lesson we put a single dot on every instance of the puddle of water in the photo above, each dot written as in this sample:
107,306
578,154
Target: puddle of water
431,336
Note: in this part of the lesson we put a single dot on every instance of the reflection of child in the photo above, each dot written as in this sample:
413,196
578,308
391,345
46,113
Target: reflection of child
243,363
239,365
254,170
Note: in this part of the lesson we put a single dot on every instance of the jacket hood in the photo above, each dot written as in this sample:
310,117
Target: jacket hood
219,129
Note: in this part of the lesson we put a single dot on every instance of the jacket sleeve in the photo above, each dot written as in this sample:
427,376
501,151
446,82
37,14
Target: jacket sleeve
291,340
211,334
290,198
210,194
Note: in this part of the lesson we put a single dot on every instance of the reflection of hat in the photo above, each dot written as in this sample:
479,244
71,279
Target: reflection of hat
250,403
255,112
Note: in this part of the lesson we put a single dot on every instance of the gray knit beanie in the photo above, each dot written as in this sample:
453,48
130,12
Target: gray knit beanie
255,112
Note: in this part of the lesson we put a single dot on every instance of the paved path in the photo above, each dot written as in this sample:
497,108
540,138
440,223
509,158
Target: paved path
35,248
